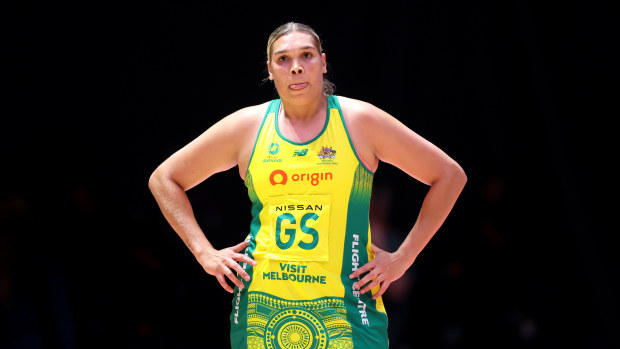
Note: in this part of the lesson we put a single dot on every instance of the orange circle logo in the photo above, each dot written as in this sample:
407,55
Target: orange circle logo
282,180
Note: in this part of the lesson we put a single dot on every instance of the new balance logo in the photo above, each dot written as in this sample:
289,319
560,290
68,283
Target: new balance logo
301,152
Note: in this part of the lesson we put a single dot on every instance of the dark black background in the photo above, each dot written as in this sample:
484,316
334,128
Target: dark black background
520,93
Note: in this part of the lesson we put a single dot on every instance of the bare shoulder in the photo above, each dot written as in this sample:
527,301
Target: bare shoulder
362,116
225,144
369,119
246,119
356,108
380,136
238,127
363,121
243,126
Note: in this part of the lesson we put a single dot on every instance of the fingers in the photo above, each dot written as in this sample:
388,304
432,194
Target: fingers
221,278
240,246
225,264
384,286
223,283
243,258
225,270
227,273
368,267
366,279
237,267
371,280
239,256
232,277
374,281
363,269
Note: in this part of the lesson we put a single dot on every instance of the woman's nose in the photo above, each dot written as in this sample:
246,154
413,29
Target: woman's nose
296,69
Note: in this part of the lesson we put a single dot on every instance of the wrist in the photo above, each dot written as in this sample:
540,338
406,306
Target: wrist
201,250
405,255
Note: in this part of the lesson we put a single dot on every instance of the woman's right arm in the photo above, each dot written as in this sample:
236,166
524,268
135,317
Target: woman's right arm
220,148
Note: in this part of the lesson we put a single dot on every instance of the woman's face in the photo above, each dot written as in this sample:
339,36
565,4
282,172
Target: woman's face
296,66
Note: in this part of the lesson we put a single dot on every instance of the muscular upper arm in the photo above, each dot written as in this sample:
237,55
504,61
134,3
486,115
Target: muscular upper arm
382,137
219,148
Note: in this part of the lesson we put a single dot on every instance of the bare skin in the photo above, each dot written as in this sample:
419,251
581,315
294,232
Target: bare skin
297,70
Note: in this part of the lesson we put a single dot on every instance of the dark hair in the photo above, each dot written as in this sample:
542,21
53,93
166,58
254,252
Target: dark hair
290,27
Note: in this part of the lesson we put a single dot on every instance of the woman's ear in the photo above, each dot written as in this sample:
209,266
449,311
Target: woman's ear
269,71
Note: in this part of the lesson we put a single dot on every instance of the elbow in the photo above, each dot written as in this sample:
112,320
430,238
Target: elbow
457,175
162,180
156,180
153,180
453,174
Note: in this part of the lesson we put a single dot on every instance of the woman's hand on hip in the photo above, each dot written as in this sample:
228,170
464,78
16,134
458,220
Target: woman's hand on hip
385,268
221,263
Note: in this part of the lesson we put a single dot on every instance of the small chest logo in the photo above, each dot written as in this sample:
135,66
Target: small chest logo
273,150
327,153
300,152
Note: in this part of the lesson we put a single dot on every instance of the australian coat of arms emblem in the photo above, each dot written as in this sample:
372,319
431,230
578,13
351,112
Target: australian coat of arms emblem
327,153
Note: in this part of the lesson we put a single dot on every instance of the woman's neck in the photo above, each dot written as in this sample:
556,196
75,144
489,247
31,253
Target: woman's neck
304,113
301,123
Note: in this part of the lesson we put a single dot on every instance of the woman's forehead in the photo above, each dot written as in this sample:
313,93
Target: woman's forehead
294,41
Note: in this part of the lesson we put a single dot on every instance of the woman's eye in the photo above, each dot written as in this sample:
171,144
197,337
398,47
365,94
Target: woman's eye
282,59
307,55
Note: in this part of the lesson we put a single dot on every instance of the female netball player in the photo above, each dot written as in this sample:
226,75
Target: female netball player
307,274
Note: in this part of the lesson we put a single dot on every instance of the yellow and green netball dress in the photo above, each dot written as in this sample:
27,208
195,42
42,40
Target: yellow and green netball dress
309,231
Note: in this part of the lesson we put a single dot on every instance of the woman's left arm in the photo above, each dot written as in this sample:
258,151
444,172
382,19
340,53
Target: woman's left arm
390,141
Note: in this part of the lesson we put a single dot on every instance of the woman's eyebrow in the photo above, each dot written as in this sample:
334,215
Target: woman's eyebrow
300,49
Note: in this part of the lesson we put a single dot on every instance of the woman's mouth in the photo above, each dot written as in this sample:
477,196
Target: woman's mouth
298,86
